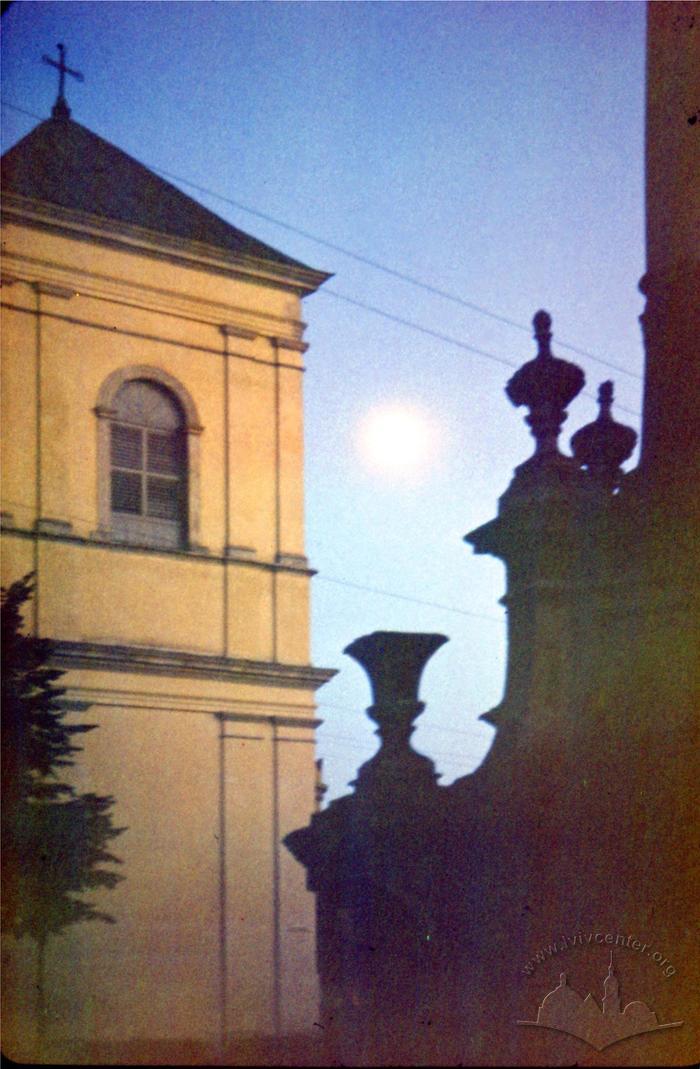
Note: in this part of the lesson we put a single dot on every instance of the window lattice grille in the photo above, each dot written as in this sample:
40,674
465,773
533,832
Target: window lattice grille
148,469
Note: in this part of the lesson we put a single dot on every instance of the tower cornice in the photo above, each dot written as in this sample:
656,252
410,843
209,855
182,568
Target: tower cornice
86,226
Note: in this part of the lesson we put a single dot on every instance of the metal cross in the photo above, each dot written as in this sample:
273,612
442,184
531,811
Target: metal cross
63,70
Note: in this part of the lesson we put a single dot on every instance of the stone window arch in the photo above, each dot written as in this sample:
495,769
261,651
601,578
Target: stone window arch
148,460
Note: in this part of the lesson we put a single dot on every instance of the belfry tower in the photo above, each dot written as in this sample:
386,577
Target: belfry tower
611,991
153,483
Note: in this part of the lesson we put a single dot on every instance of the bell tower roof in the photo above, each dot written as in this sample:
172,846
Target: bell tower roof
62,163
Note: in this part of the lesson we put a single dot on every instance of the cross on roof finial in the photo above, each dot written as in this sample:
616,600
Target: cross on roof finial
60,110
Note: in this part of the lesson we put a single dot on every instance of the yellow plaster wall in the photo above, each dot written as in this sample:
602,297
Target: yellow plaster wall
89,264
16,560
120,597
250,618
188,693
156,969
155,974
291,462
18,399
292,613
249,872
121,309
299,987
252,478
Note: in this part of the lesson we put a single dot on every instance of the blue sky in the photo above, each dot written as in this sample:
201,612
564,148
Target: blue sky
491,150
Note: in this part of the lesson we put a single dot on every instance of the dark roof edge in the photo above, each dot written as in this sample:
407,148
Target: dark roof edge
36,212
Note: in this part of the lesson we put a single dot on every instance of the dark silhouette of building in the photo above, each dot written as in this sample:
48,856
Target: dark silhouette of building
583,816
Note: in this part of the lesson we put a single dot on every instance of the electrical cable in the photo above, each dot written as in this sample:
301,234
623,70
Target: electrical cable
446,338
376,265
407,597
327,579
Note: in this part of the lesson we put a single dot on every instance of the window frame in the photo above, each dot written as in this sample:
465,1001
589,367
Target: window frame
106,415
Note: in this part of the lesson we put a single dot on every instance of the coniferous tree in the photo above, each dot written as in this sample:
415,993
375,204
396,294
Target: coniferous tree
54,840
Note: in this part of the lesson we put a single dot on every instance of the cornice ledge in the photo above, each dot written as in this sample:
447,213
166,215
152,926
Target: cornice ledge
294,562
72,702
50,289
229,330
242,553
50,525
488,538
301,722
32,211
22,268
294,344
158,661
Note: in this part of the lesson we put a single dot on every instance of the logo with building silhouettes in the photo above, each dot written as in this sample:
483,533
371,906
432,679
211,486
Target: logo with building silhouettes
564,1010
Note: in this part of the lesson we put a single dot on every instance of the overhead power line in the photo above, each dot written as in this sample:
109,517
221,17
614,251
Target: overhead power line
402,276
323,578
376,265
407,597
326,291
447,339
23,111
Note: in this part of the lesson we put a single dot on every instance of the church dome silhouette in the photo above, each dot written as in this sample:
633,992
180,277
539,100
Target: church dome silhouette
565,1010
639,1014
561,1006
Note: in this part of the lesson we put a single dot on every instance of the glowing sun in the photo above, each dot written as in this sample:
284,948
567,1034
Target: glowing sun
396,439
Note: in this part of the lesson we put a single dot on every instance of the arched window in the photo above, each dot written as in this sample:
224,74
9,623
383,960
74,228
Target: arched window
148,435
148,465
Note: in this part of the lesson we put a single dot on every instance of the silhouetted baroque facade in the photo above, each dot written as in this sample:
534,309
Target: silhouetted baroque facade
583,817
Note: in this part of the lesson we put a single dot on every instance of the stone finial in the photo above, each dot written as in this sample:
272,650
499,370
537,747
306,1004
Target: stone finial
394,662
605,398
542,322
601,447
547,385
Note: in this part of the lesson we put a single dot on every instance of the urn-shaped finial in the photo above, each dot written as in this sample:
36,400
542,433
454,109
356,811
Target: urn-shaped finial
547,385
603,446
394,662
